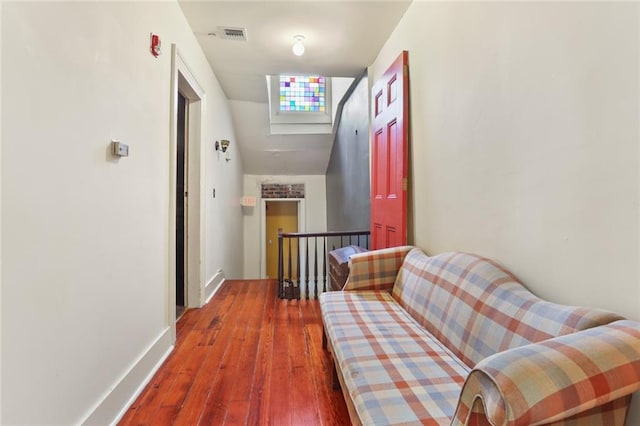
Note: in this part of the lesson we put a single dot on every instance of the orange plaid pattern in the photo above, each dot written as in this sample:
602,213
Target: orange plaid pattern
375,270
586,376
457,339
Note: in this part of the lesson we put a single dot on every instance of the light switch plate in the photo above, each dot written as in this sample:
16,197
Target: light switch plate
119,149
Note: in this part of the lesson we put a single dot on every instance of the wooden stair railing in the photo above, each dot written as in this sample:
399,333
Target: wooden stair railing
295,278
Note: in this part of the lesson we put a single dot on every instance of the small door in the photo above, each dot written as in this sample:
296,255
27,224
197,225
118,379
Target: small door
389,155
281,216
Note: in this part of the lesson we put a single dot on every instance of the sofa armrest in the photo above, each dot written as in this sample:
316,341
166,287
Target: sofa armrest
554,379
375,270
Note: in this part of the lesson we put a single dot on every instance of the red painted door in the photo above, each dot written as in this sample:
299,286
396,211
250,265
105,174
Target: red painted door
389,155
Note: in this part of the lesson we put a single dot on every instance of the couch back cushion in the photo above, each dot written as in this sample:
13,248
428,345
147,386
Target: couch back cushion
476,308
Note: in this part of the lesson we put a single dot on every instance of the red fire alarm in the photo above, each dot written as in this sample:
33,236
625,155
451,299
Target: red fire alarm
155,45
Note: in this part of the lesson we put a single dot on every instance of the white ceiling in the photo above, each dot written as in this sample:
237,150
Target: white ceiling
342,38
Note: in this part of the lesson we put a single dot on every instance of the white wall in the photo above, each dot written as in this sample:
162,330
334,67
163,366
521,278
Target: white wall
1,133
525,141
293,149
339,86
315,212
85,237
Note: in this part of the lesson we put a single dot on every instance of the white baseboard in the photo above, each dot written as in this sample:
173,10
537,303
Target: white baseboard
213,285
116,401
114,404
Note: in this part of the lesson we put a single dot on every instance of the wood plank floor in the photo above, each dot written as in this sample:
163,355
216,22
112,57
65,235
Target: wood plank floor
246,358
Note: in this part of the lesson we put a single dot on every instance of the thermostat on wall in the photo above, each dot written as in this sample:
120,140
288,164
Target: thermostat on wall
119,149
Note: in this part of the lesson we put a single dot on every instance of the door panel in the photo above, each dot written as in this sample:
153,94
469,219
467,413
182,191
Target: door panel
378,103
393,161
379,170
392,89
393,237
389,152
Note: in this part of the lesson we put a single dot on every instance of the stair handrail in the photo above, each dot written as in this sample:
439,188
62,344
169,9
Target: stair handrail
292,289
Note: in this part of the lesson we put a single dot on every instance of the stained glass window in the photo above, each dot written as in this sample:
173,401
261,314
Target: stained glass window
302,93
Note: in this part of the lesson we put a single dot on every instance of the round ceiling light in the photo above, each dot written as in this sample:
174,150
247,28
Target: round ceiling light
298,47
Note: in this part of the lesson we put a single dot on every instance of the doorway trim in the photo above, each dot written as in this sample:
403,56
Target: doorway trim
183,80
302,227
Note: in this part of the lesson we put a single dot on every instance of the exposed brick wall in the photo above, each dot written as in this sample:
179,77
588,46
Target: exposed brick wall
282,190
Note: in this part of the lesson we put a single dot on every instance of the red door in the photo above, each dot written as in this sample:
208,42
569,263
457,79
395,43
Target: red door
389,155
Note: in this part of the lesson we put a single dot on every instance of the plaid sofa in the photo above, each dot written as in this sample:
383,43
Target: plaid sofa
456,339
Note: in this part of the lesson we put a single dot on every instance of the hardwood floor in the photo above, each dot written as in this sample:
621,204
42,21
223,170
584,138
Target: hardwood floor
246,357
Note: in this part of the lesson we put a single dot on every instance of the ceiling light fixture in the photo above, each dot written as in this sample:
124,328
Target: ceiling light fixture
298,47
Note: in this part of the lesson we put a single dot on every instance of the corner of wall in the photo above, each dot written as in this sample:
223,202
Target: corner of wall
213,285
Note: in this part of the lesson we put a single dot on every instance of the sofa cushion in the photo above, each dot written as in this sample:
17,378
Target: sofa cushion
477,308
394,370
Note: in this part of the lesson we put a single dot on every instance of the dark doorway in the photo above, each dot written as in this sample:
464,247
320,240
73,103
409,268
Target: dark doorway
181,194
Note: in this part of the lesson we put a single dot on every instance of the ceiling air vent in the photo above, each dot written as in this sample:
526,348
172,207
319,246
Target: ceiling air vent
230,33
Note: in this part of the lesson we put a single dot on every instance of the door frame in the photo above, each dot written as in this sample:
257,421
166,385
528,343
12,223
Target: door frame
183,80
263,229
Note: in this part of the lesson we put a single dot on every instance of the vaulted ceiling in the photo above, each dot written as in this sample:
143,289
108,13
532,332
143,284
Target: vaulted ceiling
342,38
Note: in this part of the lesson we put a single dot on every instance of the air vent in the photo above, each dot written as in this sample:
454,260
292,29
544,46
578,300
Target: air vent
230,33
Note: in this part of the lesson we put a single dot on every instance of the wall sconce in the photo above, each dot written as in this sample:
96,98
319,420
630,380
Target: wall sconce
223,146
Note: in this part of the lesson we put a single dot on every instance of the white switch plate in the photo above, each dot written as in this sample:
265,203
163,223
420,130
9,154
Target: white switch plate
119,149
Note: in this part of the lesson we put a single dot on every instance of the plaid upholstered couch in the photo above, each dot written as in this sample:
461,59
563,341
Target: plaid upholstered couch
456,339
